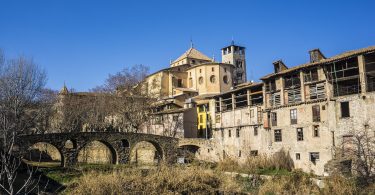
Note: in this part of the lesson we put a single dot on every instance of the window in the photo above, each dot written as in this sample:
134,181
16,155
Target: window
225,69
213,69
179,82
222,133
311,75
191,82
254,153
158,120
193,61
201,119
251,113
213,79
175,118
293,116
316,113
274,118
278,135
314,156
200,70
225,79
316,131
298,156
345,112
200,80
229,133
237,132
255,131
299,134
239,153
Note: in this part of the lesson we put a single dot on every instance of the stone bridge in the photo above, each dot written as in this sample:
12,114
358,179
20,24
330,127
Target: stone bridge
120,144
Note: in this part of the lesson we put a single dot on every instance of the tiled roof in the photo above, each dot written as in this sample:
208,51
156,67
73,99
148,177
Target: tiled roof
193,53
342,56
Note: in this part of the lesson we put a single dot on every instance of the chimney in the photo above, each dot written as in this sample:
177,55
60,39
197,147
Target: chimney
316,55
279,66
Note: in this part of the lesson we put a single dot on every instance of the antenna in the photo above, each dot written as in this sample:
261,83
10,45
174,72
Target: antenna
191,42
232,43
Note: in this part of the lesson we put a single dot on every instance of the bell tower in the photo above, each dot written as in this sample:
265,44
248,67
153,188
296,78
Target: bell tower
234,54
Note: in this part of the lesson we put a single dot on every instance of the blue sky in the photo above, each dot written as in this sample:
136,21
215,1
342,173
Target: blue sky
81,42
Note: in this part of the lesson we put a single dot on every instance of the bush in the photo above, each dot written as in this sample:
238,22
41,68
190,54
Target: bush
256,164
337,184
164,180
297,182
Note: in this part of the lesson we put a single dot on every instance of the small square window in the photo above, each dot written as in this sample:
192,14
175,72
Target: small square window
298,156
278,135
314,156
237,132
316,131
254,153
299,134
293,116
345,111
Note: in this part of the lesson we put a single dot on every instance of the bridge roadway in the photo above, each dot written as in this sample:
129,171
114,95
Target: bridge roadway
120,144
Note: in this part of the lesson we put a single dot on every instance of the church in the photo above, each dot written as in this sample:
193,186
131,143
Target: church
184,90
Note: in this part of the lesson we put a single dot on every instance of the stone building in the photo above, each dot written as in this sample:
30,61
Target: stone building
309,110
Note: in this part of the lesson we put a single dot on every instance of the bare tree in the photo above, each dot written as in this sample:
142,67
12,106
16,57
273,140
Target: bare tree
125,80
359,146
172,124
130,104
21,84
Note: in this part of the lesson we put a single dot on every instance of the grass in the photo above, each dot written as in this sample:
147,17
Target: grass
195,178
278,164
271,171
62,175
164,180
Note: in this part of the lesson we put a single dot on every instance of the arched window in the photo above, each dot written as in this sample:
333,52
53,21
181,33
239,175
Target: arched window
213,79
200,80
225,79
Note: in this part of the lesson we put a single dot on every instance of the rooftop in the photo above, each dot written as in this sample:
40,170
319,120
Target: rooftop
193,53
341,56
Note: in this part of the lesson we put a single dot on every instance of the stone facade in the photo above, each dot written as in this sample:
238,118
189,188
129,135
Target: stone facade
307,110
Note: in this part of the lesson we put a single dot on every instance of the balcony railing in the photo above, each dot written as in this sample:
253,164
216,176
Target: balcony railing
346,90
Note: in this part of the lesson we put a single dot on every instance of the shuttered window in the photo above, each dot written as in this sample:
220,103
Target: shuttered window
316,113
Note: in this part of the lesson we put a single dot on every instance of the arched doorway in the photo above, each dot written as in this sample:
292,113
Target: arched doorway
97,152
187,153
44,154
146,153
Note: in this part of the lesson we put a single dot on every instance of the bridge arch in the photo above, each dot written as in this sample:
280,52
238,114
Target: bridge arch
156,153
42,151
95,151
